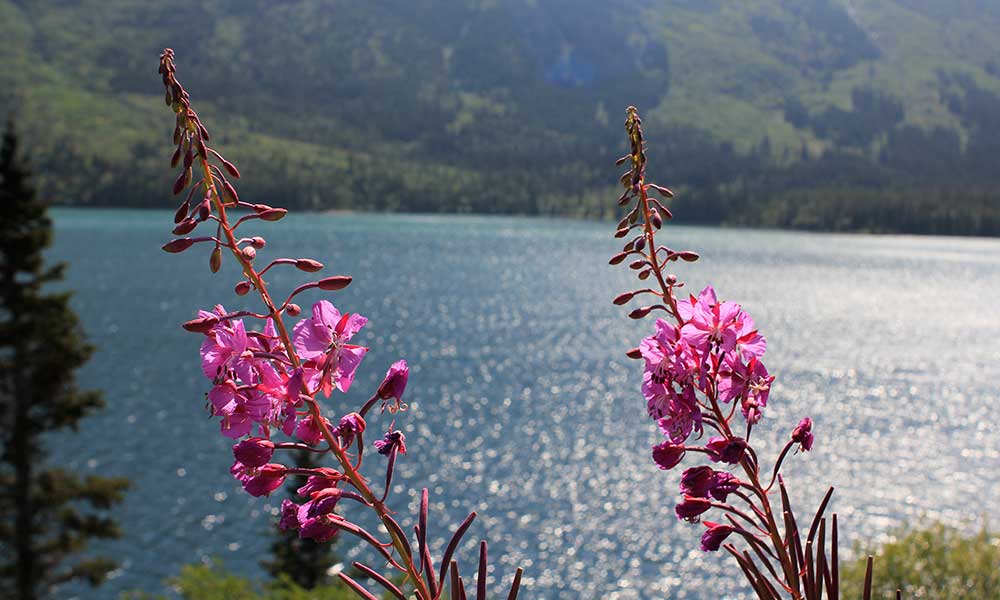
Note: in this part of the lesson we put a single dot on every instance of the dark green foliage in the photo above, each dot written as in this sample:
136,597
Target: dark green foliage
46,514
301,561
936,562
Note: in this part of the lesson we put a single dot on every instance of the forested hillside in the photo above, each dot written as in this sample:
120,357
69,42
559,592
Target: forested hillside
879,115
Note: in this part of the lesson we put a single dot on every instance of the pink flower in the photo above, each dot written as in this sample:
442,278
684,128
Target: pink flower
289,515
712,324
394,384
667,455
749,383
259,481
713,537
692,508
702,482
325,477
239,409
308,430
225,352
802,434
728,451
316,517
350,425
322,341
681,417
253,452
392,441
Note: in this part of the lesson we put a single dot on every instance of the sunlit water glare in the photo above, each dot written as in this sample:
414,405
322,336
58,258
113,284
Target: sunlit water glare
523,405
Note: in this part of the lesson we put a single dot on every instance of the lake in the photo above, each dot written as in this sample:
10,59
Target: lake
523,405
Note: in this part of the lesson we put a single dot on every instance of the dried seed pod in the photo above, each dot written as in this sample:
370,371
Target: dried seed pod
332,284
308,265
178,245
215,260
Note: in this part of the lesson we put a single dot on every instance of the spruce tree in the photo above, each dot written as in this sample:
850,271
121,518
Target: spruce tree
47,514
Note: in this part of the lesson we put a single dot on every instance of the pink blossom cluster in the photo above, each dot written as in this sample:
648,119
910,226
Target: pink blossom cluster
267,384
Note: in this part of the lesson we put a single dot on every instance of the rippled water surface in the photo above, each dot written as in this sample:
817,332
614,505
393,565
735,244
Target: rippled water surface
523,406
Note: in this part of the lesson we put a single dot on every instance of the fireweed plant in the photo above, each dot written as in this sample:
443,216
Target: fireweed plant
266,382
704,376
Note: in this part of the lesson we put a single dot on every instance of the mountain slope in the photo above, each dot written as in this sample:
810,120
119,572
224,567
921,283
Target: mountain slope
511,106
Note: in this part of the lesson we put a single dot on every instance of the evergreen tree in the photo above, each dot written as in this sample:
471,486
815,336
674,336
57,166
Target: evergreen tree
47,514
305,562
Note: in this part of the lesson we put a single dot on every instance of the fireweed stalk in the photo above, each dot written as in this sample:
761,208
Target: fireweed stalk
265,383
704,371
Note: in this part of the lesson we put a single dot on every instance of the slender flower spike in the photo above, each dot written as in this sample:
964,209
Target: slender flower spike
802,434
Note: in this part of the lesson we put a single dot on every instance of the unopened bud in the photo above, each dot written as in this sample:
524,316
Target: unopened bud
640,312
259,208
201,324
644,275
204,209
273,214
622,160
655,219
188,159
332,284
182,212
258,242
617,258
670,279
202,149
666,193
622,232
185,227
229,193
293,310
640,243
176,158
215,260
623,199
308,265
182,181
242,288
636,264
178,245
634,353
624,298
249,252
688,256
230,168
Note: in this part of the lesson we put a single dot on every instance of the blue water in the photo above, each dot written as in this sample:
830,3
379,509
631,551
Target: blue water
523,406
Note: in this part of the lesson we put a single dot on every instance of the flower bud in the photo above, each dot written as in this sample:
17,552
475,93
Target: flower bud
254,452
308,265
635,265
332,284
640,312
266,479
665,192
185,227
188,159
644,275
803,435
623,298
670,279
202,148
622,232
182,181
205,209
176,158
713,537
249,252
178,245
692,508
215,260
634,354
230,168
617,258
182,212
728,451
654,218
688,256
622,160
293,310
258,242
201,324
640,243
273,214
229,193
242,288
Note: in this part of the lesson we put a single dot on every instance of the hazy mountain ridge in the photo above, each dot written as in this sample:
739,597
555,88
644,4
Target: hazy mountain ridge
510,106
